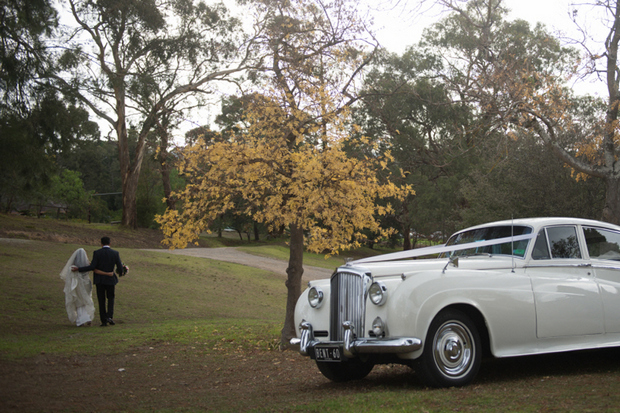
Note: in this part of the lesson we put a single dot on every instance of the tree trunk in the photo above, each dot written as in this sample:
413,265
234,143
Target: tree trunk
130,175
406,237
162,129
165,176
611,211
130,201
293,283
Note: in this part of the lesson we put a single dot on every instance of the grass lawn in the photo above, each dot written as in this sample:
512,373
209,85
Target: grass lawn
160,293
199,335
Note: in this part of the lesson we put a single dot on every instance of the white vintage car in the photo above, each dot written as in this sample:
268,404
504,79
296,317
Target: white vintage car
510,288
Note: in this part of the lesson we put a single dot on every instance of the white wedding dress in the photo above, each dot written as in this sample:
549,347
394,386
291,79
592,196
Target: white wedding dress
78,290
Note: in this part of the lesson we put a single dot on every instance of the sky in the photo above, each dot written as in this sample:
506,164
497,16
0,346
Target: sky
398,27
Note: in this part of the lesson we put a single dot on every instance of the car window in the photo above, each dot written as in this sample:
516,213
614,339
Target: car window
602,243
484,234
541,247
556,242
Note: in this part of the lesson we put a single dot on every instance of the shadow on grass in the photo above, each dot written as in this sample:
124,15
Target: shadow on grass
506,371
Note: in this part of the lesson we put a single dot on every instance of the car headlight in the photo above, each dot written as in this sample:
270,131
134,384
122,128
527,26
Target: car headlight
378,293
315,297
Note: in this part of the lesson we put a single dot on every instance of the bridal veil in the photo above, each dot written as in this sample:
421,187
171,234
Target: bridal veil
78,290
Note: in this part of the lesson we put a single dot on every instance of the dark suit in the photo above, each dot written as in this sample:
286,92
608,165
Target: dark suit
105,259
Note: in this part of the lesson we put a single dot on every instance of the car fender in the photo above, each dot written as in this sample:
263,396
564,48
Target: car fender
319,317
504,300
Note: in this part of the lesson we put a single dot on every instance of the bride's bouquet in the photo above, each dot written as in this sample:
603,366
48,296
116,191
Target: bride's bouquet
124,271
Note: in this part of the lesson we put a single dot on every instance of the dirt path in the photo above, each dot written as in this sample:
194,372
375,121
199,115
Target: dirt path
231,254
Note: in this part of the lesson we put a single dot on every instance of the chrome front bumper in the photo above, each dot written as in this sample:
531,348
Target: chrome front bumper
353,346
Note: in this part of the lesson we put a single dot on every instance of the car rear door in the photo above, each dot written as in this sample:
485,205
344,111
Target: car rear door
566,292
604,250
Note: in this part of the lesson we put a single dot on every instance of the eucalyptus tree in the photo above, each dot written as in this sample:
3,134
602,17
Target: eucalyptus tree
24,56
518,78
527,180
135,61
599,148
408,110
36,123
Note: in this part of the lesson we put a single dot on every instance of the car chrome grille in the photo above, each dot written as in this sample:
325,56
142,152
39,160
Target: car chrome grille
348,303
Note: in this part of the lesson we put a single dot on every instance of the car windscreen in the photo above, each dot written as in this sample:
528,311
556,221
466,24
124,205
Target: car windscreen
517,248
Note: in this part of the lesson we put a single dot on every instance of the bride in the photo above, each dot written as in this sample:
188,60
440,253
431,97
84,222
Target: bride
78,290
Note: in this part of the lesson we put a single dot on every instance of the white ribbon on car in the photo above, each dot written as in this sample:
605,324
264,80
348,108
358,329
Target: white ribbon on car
419,252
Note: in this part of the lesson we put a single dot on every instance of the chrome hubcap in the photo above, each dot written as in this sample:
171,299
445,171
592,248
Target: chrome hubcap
453,349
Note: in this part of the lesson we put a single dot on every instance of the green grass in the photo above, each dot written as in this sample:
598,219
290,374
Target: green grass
217,312
281,252
160,293
163,296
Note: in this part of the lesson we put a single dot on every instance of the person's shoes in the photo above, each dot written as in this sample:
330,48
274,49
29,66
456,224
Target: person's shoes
111,322
103,325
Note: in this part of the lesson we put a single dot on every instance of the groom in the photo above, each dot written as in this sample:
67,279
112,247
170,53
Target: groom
104,259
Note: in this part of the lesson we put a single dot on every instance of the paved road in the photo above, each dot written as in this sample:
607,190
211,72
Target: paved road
231,254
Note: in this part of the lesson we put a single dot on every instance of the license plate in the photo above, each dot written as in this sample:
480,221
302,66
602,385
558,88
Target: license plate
327,353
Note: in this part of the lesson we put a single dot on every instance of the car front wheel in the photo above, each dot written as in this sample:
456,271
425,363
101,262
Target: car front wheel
452,351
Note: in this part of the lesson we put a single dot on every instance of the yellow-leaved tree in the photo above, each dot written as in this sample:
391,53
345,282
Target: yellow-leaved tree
286,160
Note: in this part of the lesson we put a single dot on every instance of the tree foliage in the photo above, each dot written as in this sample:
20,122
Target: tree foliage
517,76
68,189
528,181
24,57
408,111
36,124
141,58
32,143
286,159
309,182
